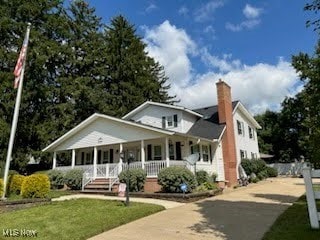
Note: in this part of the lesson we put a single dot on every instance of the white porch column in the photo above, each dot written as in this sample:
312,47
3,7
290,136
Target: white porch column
120,158
142,154
201,156
73,158
95,159
167,151
54,160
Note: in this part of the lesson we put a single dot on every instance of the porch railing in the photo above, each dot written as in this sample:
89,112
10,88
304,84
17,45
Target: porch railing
153,167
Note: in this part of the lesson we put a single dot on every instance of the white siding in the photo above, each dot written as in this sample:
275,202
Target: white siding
105,132
188,121
218,163
243,142
152,115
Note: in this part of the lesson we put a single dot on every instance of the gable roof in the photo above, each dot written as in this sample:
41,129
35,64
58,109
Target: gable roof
148,103
92,118
209,126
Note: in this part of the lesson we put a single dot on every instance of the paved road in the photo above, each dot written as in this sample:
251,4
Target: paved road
245,213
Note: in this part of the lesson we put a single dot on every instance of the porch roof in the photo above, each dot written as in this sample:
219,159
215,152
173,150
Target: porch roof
93,118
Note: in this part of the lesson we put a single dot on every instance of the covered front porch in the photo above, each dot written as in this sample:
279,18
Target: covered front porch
107,161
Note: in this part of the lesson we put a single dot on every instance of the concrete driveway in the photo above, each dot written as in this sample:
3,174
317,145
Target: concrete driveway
244,213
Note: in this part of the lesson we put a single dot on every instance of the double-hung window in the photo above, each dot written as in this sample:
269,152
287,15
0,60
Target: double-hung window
251,132
157,152
170,121
205,153
240,126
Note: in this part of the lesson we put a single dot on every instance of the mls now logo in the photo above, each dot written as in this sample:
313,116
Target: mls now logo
19,233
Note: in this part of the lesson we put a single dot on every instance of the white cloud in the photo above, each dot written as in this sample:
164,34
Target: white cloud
206,11
171,47
183,11
258,86
251,12
248,24
151,7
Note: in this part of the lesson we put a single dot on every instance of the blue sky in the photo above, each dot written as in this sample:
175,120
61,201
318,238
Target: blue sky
249,44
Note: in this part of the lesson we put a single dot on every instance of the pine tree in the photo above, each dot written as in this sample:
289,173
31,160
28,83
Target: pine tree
133,76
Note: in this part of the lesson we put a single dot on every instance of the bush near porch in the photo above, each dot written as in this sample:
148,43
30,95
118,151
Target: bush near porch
137,178
73,179
56,179
171,179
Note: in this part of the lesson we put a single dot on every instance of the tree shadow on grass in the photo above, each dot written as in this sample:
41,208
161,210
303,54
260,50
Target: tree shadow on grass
236,220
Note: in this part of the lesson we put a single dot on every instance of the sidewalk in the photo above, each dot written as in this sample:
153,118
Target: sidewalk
164,203
245,213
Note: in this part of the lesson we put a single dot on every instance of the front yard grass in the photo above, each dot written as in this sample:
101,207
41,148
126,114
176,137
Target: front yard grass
294,224
75,219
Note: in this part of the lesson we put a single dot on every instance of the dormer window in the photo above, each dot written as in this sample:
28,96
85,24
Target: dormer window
170,121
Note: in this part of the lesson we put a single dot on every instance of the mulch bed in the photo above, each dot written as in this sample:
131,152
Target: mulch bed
11,205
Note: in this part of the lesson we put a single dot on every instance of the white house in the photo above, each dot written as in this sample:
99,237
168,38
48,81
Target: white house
158,135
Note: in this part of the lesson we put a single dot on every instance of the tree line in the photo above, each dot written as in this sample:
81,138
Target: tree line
295,130
76,66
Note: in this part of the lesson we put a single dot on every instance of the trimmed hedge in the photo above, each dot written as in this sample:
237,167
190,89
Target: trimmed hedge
1,187
16,181
73,179
35,186
137,179
202,177
56,179
171,179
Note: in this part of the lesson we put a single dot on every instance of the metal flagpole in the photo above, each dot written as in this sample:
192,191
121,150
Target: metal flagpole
15,118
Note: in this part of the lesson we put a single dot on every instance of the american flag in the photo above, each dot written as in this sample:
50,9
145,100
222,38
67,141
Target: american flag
20,62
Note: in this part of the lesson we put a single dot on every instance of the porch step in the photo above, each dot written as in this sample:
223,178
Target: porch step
99,186
95,191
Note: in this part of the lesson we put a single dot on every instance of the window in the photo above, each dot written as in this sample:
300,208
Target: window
240,127
105,158
243,154
169,121
195,149
205,153
88,158
157,152
252,155
251,132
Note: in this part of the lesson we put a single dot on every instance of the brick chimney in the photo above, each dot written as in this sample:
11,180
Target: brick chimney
228,139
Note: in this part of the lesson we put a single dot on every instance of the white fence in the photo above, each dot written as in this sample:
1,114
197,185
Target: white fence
312,196
291,169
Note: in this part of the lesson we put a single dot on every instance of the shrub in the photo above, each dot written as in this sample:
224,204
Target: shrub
172,177
137,178
73,179
16,181
56,179
202,177
262,175
272,172
214,177
35,186
1,187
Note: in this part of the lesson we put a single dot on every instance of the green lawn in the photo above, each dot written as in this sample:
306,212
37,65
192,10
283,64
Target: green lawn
75,219
293,224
